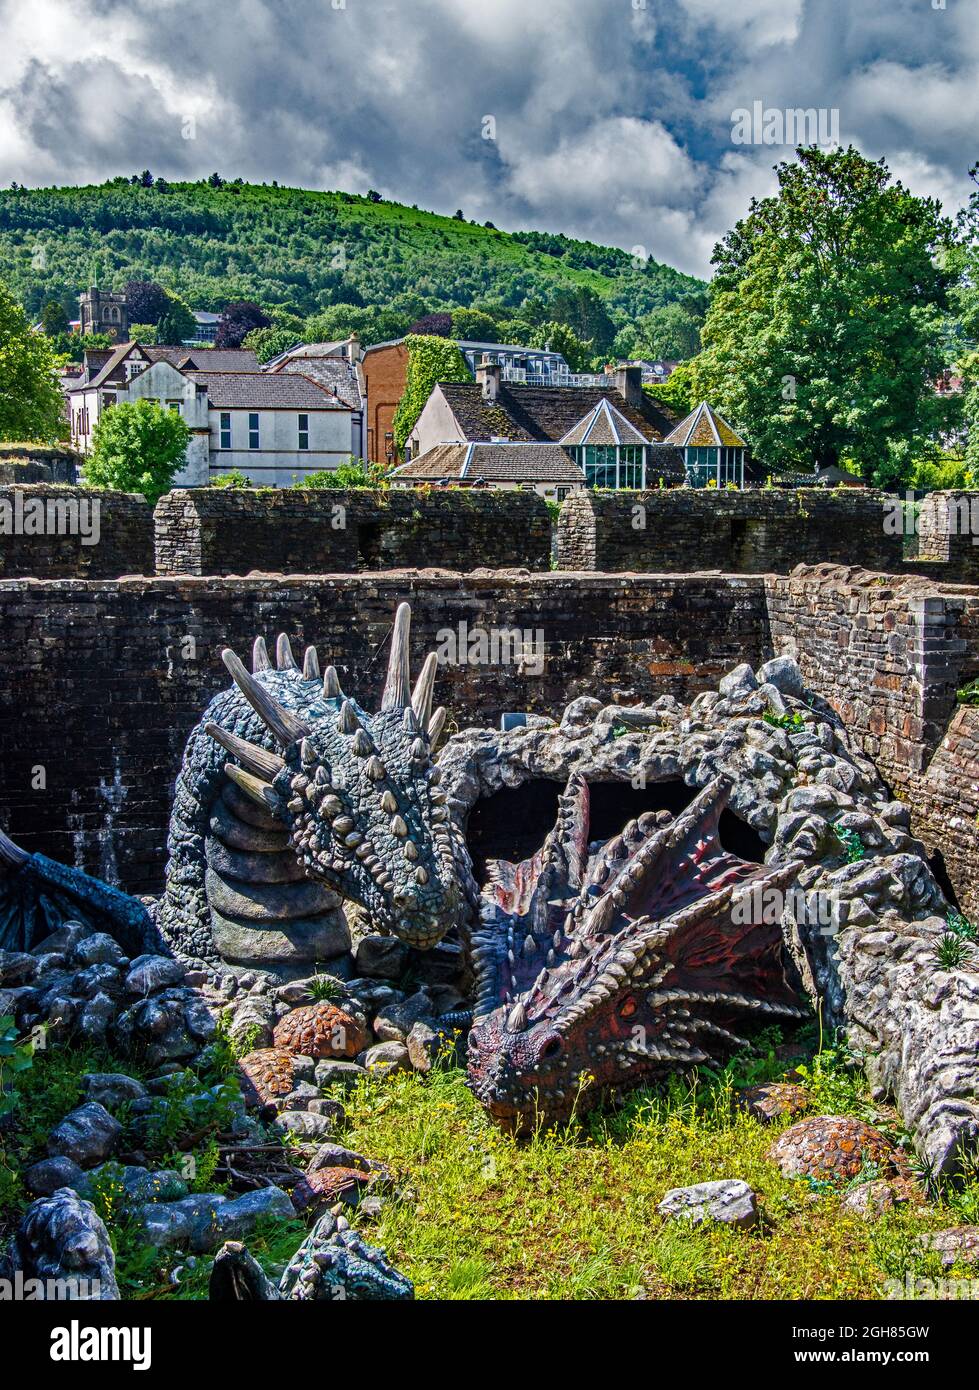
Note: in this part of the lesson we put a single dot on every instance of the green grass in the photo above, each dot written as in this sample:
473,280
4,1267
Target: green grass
573,1215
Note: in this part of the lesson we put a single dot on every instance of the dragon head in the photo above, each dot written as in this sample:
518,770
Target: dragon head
601,967
359,792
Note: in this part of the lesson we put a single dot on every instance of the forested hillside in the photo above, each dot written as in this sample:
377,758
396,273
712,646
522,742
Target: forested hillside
301,252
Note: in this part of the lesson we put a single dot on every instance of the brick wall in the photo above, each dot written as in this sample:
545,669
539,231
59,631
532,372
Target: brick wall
385,370
684,529
102,682
53,532
948,526
287,531
38,463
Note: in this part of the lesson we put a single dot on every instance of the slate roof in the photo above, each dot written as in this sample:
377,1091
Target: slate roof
604,425
203,359
704,428
332,373
495,463
544,413
265,391
665,461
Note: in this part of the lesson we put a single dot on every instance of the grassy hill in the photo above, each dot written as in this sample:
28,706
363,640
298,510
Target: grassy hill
302,252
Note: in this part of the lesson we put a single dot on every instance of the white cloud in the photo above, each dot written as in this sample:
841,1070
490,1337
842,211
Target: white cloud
758,23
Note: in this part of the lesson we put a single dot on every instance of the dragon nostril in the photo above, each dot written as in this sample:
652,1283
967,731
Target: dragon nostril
551,1049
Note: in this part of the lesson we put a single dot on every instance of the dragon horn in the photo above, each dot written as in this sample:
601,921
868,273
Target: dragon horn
436,724
331,684
311,664
252,786
11,855
286,727
260,656
252,758
284,658
421,696
397,686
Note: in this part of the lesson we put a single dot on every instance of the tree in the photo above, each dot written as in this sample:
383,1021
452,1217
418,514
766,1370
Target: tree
177,323
561,337
146,301
31,404
472,325
267,343
138,446
54,320
351,473
374,325
433,326
237,321
669,331
677,391
821,340
430,360
581,308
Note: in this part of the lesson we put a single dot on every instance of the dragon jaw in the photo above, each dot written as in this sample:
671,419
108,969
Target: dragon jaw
644,971
358,792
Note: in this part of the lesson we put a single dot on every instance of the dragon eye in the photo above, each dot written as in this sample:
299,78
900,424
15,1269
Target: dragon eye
628,1007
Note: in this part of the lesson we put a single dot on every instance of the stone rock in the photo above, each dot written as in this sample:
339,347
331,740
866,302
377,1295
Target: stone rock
381,957
872,1200
147,974
424,1046
170,1026
17,967
385,1058
112,1088
45,1178
236,1218
138,1185
100,949
957,1245
253,1022
336,1156
331,1072
834,1148
324,1187
394,1023
775,1100
740,681
63,941
304,1124
62,1237
332,1109
267,1076
784,674
730,1202
87,1135
300,1097
321,1030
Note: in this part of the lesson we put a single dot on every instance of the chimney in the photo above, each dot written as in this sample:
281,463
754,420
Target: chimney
354,350
488,378
628,383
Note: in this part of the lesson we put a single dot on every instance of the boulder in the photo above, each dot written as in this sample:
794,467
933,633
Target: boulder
729,1201
87,1135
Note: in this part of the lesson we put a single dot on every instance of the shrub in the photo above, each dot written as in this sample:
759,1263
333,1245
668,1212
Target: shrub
139,447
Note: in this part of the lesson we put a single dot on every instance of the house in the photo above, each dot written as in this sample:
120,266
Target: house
335,367
548,469
274,427
490,410
206,330
713,451
532,366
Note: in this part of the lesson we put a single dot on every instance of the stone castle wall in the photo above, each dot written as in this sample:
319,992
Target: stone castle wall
54,532
101,682
677,530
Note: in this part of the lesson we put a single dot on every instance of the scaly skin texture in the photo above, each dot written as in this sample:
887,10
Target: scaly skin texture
601,968
319,798
330,1265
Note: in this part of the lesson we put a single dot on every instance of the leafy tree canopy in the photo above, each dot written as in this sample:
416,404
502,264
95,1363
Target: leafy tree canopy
560,337
31,403
138,446
822,336
267,343
178,323
146,301
54,320
237,321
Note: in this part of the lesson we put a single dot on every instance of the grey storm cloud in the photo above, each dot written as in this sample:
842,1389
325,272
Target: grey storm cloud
609,119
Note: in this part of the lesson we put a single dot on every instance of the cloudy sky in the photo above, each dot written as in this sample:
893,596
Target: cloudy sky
606,119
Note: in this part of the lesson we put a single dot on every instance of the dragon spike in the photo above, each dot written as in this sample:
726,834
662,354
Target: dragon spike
260,656
252,758
252,786
436,724
11,855
349,723
331,684
311,664
286,727
397,688
284,658
516,1020
421,696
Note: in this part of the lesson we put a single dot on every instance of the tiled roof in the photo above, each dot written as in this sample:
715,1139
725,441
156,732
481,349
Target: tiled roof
704,428
203,359
665,461
110,365
605,424
495,463
332,373
265,391
544,413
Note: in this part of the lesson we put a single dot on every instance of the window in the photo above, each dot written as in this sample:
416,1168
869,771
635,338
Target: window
225,429
253,439
175,406
109,398
304,431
